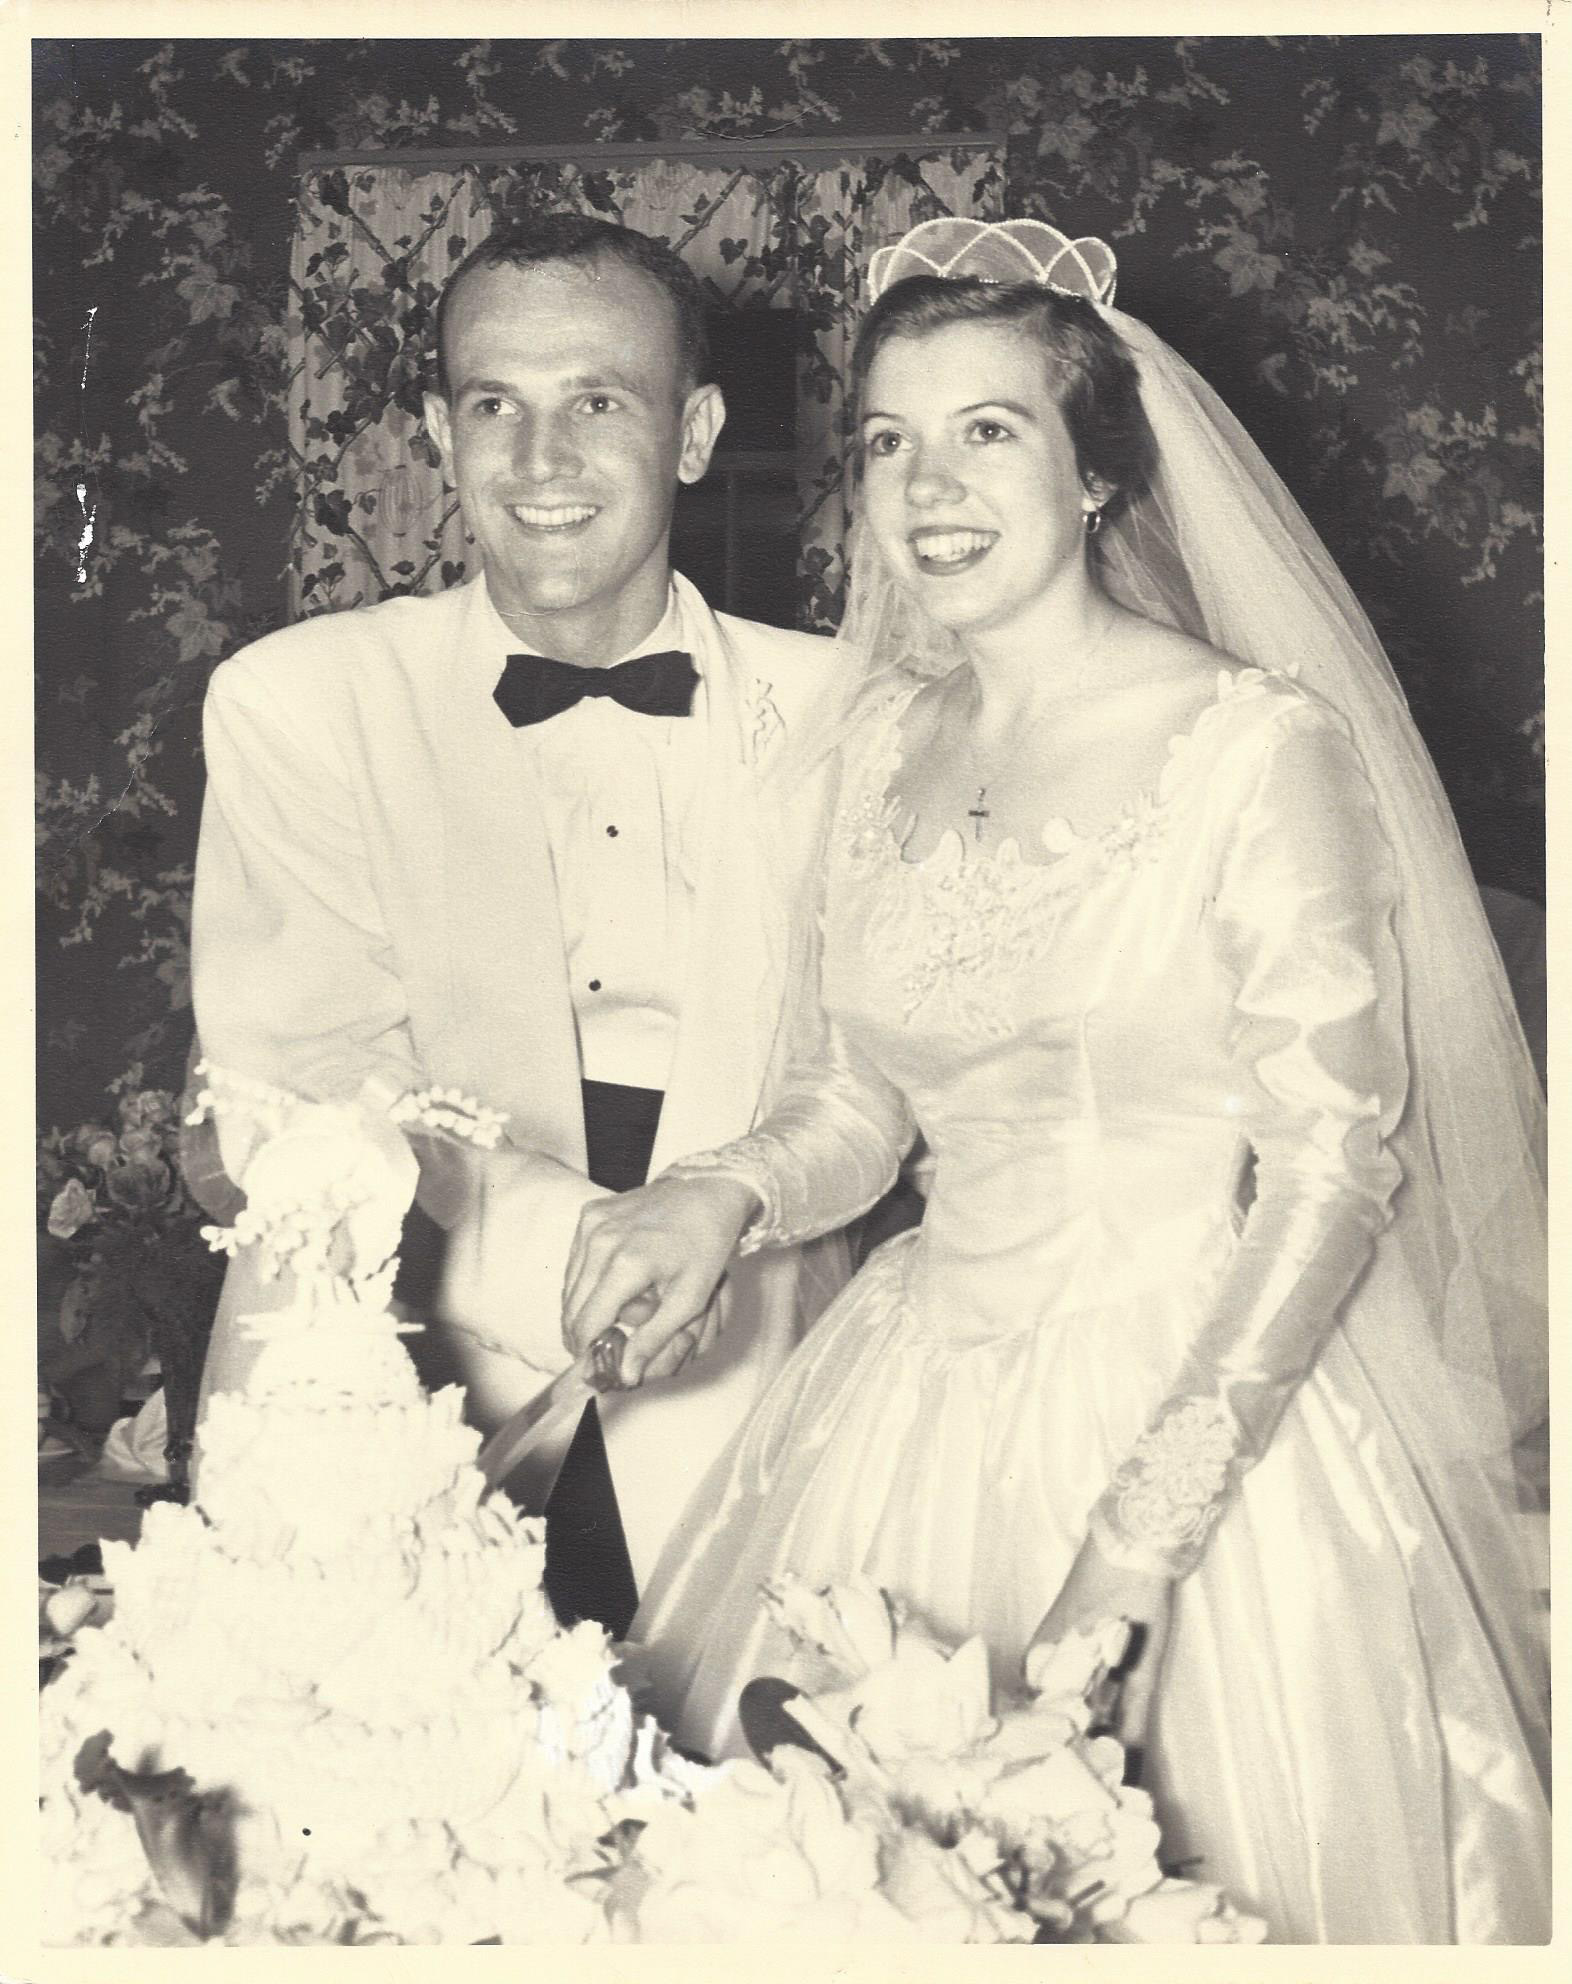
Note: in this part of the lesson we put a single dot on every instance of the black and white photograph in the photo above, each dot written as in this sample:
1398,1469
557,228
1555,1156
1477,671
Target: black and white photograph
790,1030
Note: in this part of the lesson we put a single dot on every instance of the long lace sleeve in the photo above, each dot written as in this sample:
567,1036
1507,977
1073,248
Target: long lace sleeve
827,1152
1303,926
834,1136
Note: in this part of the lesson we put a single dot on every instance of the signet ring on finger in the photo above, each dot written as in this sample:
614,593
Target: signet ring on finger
606,1357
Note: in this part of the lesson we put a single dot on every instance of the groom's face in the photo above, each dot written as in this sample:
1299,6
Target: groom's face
567,425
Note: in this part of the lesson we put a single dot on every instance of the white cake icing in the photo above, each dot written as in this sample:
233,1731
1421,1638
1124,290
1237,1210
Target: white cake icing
384,1736
348,1639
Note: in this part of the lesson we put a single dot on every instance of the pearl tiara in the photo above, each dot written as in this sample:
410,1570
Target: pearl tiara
1003,251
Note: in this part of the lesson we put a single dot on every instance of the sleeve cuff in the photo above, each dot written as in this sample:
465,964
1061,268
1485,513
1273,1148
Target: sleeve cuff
1158,1512
745,1159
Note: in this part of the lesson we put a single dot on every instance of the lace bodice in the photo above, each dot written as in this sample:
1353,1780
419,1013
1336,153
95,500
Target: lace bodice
1172,1049
966,920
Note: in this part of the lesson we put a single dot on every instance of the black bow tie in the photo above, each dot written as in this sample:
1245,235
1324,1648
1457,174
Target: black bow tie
534,688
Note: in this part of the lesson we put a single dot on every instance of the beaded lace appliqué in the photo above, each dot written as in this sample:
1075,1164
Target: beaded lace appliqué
963,927
1169,1492
970,929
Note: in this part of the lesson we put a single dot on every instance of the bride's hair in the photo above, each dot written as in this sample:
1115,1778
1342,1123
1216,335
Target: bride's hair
1090,373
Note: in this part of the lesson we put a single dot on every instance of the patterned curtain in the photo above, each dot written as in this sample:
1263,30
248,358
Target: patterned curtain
374,244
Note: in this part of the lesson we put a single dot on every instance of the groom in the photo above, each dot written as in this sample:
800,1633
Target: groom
534,838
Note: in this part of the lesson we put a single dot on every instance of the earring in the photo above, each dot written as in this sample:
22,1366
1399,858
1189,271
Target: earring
1094,522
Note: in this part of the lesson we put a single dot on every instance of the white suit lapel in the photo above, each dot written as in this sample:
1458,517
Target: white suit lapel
512,1032
733,977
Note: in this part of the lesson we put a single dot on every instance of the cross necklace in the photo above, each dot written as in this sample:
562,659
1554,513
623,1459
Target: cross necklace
980,810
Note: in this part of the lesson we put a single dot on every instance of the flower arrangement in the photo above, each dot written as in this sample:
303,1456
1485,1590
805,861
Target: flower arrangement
903,1797
113,1179
124,1271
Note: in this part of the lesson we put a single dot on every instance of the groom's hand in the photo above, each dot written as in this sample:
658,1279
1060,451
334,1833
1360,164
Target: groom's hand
664,1247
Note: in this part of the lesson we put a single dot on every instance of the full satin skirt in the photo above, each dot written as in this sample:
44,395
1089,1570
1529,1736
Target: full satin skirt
1339,1735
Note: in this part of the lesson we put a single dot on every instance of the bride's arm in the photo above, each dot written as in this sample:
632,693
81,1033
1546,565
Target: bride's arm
829,1148
1303,924
834,1130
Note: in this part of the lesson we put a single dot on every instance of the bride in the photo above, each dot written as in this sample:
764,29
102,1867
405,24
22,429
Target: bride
1141,901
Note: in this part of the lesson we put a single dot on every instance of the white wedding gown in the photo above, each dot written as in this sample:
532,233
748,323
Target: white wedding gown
1156,1069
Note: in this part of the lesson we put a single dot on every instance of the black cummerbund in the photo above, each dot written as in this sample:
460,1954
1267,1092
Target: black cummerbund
619,1133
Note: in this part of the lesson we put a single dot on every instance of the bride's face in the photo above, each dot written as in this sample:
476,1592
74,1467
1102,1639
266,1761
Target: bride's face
970,484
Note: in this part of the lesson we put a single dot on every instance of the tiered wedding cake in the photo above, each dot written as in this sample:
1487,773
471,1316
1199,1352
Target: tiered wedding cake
346,1652
332,1706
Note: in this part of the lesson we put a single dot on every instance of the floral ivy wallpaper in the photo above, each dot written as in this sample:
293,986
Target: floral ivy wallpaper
374,245
1343,235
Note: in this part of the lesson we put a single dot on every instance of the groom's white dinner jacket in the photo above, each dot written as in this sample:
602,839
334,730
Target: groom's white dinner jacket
375,902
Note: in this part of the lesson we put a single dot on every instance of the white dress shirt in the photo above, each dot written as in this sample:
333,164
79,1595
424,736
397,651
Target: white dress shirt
620,794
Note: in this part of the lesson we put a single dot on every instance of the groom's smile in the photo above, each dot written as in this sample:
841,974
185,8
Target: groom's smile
565,517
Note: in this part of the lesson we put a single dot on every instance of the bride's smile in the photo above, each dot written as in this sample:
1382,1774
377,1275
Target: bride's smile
942,550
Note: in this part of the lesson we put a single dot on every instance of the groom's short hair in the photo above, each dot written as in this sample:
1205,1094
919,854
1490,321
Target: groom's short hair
580,238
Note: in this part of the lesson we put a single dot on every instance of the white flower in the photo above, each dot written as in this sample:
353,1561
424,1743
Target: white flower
1063,1672
852,1623
920,1703
1185,1912
1063,1815
952,1894
758,1857
70,1209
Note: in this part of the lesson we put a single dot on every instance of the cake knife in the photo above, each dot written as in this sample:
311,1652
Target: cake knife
527,1451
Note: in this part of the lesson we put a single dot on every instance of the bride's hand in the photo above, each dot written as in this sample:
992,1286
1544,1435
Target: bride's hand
1097,1589
664,1247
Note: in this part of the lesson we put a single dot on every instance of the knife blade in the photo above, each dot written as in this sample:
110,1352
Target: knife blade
527,1451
